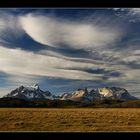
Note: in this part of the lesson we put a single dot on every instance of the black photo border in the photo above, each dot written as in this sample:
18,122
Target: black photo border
71,135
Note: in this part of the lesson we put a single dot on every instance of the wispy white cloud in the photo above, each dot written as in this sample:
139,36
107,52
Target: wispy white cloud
74,59
134,11
9,23
23,79
5,90
133,14
26,67
17,61
50,30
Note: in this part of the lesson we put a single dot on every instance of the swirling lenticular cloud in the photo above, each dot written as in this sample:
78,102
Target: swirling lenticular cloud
63,53
76,34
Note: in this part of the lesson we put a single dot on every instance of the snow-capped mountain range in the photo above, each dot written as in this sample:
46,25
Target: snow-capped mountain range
86,94
30,93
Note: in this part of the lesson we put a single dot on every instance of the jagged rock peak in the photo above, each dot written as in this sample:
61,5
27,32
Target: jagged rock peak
30,93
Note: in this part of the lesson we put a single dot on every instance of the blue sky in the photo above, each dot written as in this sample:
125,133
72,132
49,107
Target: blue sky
66,49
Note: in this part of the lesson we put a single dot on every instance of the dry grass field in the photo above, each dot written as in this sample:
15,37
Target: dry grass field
87,119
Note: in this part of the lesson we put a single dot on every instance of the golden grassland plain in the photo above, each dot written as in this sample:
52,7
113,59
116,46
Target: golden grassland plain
70,120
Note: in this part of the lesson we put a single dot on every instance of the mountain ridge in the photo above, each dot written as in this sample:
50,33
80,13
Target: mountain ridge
84,94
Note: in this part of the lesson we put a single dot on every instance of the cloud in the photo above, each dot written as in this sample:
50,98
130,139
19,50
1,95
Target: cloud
25,67
75,58
17,61
10,28
134,11
131,14
17,79
4,91
9,22
58,32
115,74
131,59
